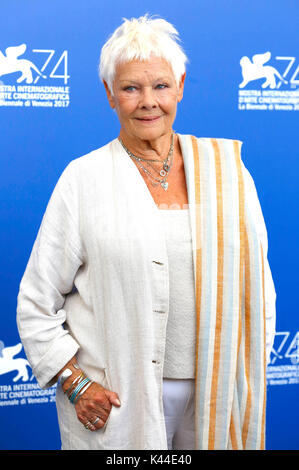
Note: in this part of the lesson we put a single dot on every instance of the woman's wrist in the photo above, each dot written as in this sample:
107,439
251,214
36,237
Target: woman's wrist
76,375
74,381
69,372
77,387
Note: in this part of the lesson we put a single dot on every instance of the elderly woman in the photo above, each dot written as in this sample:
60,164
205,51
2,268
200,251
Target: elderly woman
148,294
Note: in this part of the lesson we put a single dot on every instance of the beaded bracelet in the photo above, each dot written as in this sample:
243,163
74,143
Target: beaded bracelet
78,388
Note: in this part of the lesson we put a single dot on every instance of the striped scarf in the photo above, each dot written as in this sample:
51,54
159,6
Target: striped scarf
230,305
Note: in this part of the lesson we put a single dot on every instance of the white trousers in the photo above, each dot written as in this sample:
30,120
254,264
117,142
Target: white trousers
178,404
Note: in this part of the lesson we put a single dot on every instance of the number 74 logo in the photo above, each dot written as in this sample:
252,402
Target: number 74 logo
293,350
63,60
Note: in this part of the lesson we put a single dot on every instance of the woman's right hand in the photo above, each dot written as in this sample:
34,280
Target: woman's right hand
94,406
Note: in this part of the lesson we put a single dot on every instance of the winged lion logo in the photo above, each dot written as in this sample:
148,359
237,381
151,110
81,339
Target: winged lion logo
256,68
10,63
9,363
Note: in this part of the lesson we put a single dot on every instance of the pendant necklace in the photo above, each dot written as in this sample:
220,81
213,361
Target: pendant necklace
164,172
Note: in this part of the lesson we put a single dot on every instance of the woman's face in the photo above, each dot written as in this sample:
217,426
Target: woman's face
145,97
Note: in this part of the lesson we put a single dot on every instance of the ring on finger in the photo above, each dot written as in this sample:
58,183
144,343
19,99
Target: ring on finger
96,420
87,425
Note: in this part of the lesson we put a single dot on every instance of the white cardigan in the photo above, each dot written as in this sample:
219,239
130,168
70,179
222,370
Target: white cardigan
96,285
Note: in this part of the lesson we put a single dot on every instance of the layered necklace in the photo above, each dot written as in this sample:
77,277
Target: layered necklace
166,167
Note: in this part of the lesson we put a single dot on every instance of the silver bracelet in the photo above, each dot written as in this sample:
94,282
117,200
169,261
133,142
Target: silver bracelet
81,376
82,391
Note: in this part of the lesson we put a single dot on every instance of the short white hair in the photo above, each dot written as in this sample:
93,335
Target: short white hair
138,39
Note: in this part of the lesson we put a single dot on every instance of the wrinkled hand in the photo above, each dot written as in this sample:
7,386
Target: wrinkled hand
94,406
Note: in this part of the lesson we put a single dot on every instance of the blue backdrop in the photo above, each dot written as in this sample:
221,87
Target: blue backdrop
49,119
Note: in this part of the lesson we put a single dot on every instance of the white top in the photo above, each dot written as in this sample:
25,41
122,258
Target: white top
179,362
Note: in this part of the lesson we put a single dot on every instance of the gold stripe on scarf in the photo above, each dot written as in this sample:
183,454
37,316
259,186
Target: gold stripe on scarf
236,147
242,232
219,305
198,261
247,339
232,432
